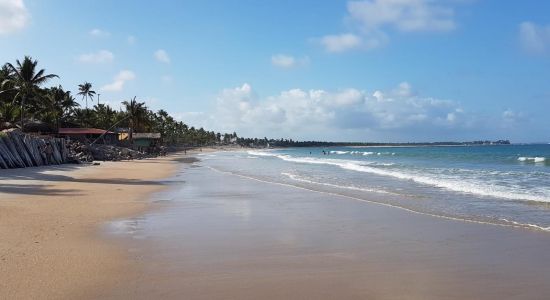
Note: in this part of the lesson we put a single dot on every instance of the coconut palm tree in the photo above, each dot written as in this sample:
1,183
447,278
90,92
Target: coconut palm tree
85,90
137,115
9,112
26,80
60,104
7,91
104,116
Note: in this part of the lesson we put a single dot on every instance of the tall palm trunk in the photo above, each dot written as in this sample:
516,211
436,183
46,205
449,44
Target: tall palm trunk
87,113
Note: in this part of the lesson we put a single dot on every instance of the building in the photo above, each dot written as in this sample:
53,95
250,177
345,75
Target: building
88,135
142,140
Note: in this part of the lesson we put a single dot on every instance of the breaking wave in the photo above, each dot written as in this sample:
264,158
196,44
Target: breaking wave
456,184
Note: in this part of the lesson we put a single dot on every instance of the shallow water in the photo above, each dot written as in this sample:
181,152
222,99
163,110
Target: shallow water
222,234
508,185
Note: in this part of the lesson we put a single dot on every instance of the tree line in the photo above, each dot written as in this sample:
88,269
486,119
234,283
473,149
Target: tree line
25,102
284,143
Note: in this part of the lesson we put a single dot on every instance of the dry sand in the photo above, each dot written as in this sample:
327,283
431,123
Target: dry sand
49,218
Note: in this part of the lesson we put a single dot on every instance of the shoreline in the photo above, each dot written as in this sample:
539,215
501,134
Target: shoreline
247,239
49,222
505,223
242,238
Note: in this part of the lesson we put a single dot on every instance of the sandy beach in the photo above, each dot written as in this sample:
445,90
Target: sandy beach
221,236
49,218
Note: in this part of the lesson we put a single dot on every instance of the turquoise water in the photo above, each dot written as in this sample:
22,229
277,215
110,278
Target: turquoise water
504,184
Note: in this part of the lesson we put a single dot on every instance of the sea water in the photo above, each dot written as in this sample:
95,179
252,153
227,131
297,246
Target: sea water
498,184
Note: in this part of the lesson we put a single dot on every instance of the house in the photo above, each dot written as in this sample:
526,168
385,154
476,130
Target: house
142,140
88,134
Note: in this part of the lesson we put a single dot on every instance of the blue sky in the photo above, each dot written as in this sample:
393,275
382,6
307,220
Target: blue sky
372,70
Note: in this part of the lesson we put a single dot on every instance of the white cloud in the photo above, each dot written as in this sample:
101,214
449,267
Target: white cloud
349,41
321,113
102,56
403,15
340,43
98,33
161,56
534,38
511,116
283,61
131,39
370,20
13,16
287,61
119,81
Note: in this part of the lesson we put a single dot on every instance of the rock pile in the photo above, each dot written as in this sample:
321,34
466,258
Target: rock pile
19,150
114,153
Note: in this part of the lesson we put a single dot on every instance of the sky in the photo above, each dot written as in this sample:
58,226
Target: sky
369,70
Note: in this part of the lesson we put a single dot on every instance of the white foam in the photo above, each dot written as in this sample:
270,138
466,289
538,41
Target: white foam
365,153
452,184
526,225
362,189
339,152
507,224
261,153
533,159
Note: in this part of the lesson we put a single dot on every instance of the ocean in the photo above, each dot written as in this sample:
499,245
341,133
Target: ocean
505,185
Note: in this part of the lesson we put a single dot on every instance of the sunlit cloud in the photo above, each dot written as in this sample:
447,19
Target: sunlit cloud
162,56
534,38
13,16
102,56
98,33
288,61
119,81
371,19
316,113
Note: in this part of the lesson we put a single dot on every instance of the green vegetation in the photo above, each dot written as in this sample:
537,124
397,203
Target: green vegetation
265,142
24,101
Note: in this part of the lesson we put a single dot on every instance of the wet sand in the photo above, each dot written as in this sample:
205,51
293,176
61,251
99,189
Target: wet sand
220,236
49,221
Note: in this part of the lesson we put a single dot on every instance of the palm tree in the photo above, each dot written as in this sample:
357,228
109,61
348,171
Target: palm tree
78,116
26,81
7,92
9,113
105,116
59,105
85,90
69,105
136,113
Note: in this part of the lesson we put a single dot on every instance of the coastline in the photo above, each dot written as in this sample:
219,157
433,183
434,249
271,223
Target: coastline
49,219
242,238
248,239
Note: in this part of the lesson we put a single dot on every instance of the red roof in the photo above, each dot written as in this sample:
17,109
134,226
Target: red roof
83,131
